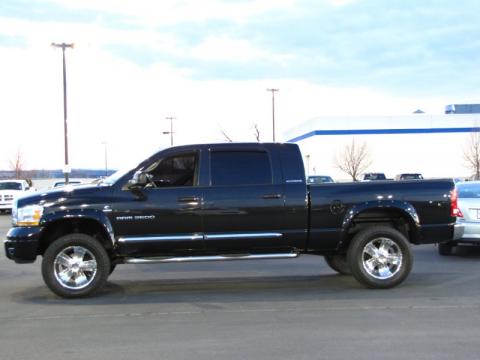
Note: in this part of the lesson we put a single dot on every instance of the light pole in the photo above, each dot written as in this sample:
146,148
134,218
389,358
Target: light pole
171,118
273,91
308,165
63,46
104,143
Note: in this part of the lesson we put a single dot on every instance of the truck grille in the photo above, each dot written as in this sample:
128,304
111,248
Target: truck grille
8,197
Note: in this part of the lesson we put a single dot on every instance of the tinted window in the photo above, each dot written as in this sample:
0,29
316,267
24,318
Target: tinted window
178,170
375,176
319,179
411,177
10,186
240,168
469,191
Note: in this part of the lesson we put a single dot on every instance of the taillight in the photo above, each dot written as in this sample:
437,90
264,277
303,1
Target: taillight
454,209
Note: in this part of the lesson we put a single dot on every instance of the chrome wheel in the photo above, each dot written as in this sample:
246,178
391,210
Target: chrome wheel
382,258
75,267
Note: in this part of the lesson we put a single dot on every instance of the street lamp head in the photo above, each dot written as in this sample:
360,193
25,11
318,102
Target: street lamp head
62,45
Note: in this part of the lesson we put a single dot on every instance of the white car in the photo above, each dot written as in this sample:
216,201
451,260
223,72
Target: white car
10,190
58,184
468,216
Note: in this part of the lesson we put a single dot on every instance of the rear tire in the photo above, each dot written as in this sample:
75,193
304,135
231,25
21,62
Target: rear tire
75,265
380,257
338,262
445,249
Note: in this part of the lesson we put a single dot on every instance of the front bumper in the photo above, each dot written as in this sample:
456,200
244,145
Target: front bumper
6,205
22,244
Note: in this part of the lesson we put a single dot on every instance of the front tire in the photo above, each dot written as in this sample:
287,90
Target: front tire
75,265
380,257
339,263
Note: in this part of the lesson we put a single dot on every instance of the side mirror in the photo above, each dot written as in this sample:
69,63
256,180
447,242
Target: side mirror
139,180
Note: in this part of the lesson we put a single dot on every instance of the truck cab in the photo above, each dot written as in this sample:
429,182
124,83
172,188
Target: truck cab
213,199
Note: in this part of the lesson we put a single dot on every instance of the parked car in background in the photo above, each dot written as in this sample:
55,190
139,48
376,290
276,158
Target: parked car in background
373,177
62,183
468,199
10,190
319,179
409,176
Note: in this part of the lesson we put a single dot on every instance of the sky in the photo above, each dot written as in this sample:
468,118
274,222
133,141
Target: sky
208,64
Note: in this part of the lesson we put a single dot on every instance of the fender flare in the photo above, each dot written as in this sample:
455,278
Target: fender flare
88,214
403,207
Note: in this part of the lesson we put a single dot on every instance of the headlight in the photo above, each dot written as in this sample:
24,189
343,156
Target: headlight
29,215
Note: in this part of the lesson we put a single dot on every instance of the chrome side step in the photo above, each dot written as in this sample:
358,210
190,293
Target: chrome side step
154,260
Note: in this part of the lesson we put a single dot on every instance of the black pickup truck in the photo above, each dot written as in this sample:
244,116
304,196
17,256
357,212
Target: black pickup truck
227,202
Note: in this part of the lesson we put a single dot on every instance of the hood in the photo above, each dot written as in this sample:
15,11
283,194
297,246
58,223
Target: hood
62,194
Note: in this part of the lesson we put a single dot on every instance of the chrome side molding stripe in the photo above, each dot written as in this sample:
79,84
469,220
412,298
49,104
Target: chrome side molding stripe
210,258
159,238
126,239
243,236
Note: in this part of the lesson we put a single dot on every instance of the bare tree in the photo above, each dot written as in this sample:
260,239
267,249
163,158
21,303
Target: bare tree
471,155
226,136
16,164
354,159
257,132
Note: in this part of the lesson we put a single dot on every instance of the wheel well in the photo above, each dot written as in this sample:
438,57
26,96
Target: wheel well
390,217
62,227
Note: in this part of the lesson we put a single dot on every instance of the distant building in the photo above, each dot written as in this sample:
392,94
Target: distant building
432,145
462,109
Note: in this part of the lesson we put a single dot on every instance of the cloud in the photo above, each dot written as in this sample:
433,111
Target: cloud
222,48
146,12
208,64
341,2
410,43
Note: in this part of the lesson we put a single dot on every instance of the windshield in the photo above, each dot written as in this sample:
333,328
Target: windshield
62,183
112,179
10,186
319,179
375,176
411,177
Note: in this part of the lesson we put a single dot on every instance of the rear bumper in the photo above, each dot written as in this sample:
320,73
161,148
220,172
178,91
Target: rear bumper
470,233
22,244
432,234
458,231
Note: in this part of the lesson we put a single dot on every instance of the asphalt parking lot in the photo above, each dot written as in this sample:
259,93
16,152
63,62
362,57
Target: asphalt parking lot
275,309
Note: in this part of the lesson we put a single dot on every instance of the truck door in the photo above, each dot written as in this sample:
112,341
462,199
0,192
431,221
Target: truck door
244,205
164,217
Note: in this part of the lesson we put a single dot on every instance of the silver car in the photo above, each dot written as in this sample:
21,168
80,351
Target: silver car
468,218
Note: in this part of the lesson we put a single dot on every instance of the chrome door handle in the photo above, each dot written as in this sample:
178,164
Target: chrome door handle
188,199
272,196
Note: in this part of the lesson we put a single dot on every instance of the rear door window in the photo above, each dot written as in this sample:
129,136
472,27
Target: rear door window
240,168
